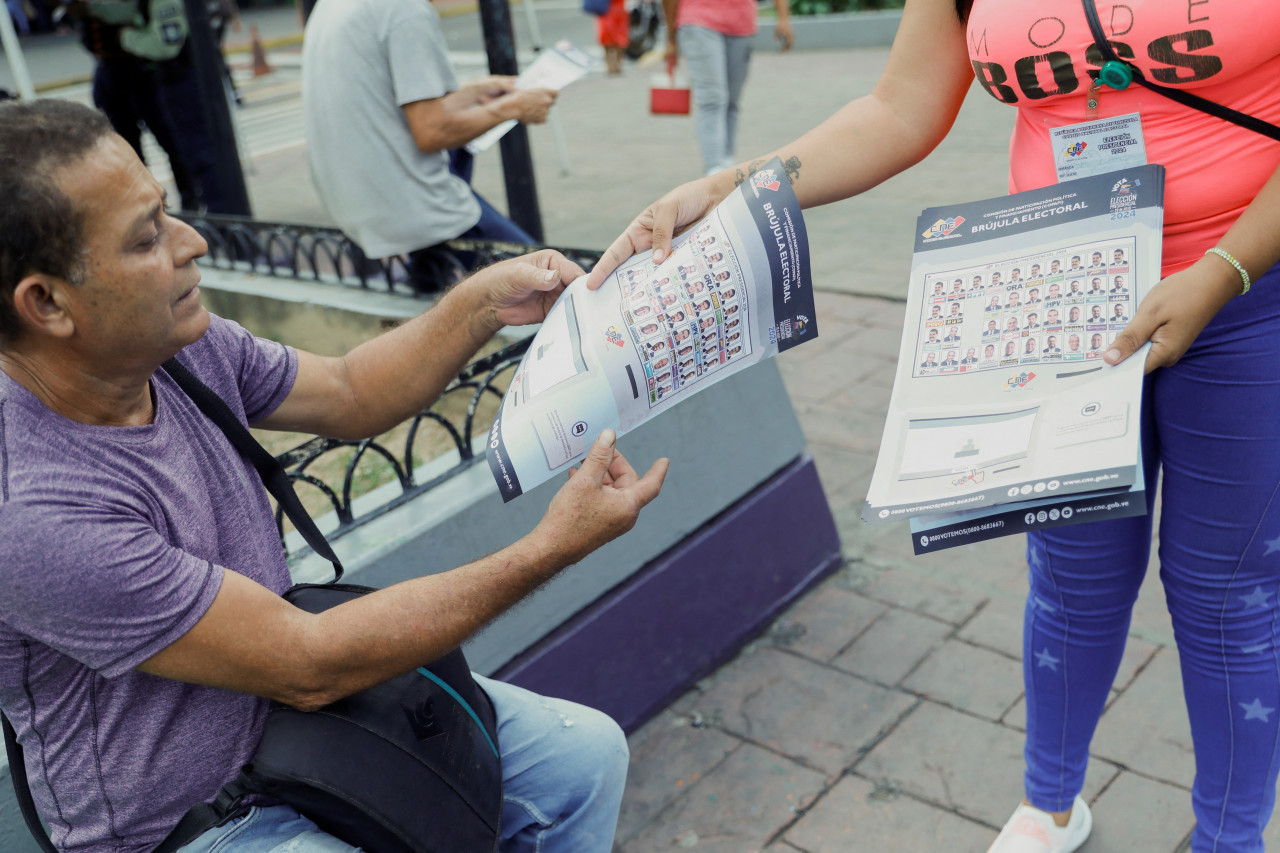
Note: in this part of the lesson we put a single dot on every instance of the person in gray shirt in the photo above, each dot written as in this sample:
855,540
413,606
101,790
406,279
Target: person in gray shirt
383,108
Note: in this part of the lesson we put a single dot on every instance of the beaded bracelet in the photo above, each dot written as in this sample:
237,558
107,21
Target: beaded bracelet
1226,256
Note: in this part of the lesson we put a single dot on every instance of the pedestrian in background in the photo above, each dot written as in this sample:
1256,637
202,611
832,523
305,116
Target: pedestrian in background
613,28
714,36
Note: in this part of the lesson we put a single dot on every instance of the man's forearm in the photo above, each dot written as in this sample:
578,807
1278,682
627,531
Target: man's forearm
458,120
252,641
400,372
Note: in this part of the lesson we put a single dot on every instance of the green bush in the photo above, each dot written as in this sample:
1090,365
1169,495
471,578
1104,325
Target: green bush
825,7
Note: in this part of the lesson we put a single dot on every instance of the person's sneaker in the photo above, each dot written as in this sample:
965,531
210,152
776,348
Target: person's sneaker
1030,830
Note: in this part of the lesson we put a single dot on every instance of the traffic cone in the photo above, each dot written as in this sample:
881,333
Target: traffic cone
260,65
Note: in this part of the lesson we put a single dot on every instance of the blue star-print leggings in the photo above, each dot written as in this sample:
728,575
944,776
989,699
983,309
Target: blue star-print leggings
1212,424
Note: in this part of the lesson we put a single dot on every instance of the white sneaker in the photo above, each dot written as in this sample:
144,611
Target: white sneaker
1030,830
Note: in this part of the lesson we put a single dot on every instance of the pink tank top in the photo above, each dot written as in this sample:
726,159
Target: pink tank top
727,17
1036,56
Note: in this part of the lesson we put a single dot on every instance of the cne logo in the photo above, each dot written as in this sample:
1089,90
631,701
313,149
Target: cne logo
613,336
1077,149
1018,381
943,227
766,179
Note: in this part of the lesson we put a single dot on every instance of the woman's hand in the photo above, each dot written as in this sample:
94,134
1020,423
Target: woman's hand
657,224
1175,312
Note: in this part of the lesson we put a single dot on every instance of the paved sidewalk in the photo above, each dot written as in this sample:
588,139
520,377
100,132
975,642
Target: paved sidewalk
884,711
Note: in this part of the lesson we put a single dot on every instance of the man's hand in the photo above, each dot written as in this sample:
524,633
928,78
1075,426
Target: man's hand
601,501
529,106
521,291
486,89
656,225
1175,312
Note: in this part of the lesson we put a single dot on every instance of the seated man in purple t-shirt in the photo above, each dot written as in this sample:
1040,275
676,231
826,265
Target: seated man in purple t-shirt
141,626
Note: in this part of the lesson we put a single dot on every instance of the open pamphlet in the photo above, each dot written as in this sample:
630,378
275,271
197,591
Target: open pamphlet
553,69
1004,416
736,289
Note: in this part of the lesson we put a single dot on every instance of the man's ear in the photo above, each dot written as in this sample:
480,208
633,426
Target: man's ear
41,303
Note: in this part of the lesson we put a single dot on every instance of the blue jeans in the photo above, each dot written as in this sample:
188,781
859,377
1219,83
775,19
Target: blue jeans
563,770
717,70
1212,423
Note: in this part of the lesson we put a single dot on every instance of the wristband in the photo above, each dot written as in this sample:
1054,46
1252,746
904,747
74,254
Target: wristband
1226,256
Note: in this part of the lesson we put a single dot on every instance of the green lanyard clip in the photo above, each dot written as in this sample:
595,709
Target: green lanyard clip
1117,75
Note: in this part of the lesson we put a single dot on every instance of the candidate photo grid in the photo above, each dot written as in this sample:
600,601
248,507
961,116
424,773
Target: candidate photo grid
1062,305
688,319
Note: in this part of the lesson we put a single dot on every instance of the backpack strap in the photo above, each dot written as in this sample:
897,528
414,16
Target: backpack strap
1181,96
229,803
268,467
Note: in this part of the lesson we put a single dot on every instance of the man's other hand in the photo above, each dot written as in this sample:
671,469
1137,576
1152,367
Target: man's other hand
521,290
601,501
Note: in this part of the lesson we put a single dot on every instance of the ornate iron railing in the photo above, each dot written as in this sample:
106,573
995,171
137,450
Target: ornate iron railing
476,381
328,256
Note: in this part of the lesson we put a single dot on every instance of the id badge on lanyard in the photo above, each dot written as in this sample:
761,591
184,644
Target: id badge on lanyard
1102,145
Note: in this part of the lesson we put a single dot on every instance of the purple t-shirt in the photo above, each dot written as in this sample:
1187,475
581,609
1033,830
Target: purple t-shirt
112,541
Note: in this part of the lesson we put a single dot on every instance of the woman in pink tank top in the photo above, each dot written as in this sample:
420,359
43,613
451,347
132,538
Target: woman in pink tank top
1211,405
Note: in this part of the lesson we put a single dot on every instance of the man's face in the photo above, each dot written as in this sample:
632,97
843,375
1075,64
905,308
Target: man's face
139,303
1053,291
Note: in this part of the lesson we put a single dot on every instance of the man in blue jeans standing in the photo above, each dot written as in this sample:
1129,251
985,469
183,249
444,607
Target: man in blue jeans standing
383,109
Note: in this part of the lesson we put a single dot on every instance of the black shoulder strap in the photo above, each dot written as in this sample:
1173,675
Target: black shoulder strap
22,788
277,482
272,473
1181,96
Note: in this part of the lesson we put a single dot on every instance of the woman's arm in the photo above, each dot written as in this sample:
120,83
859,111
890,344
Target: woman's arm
906,115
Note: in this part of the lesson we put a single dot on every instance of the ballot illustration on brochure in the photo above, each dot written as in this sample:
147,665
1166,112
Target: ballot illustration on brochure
736,289
1004,416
